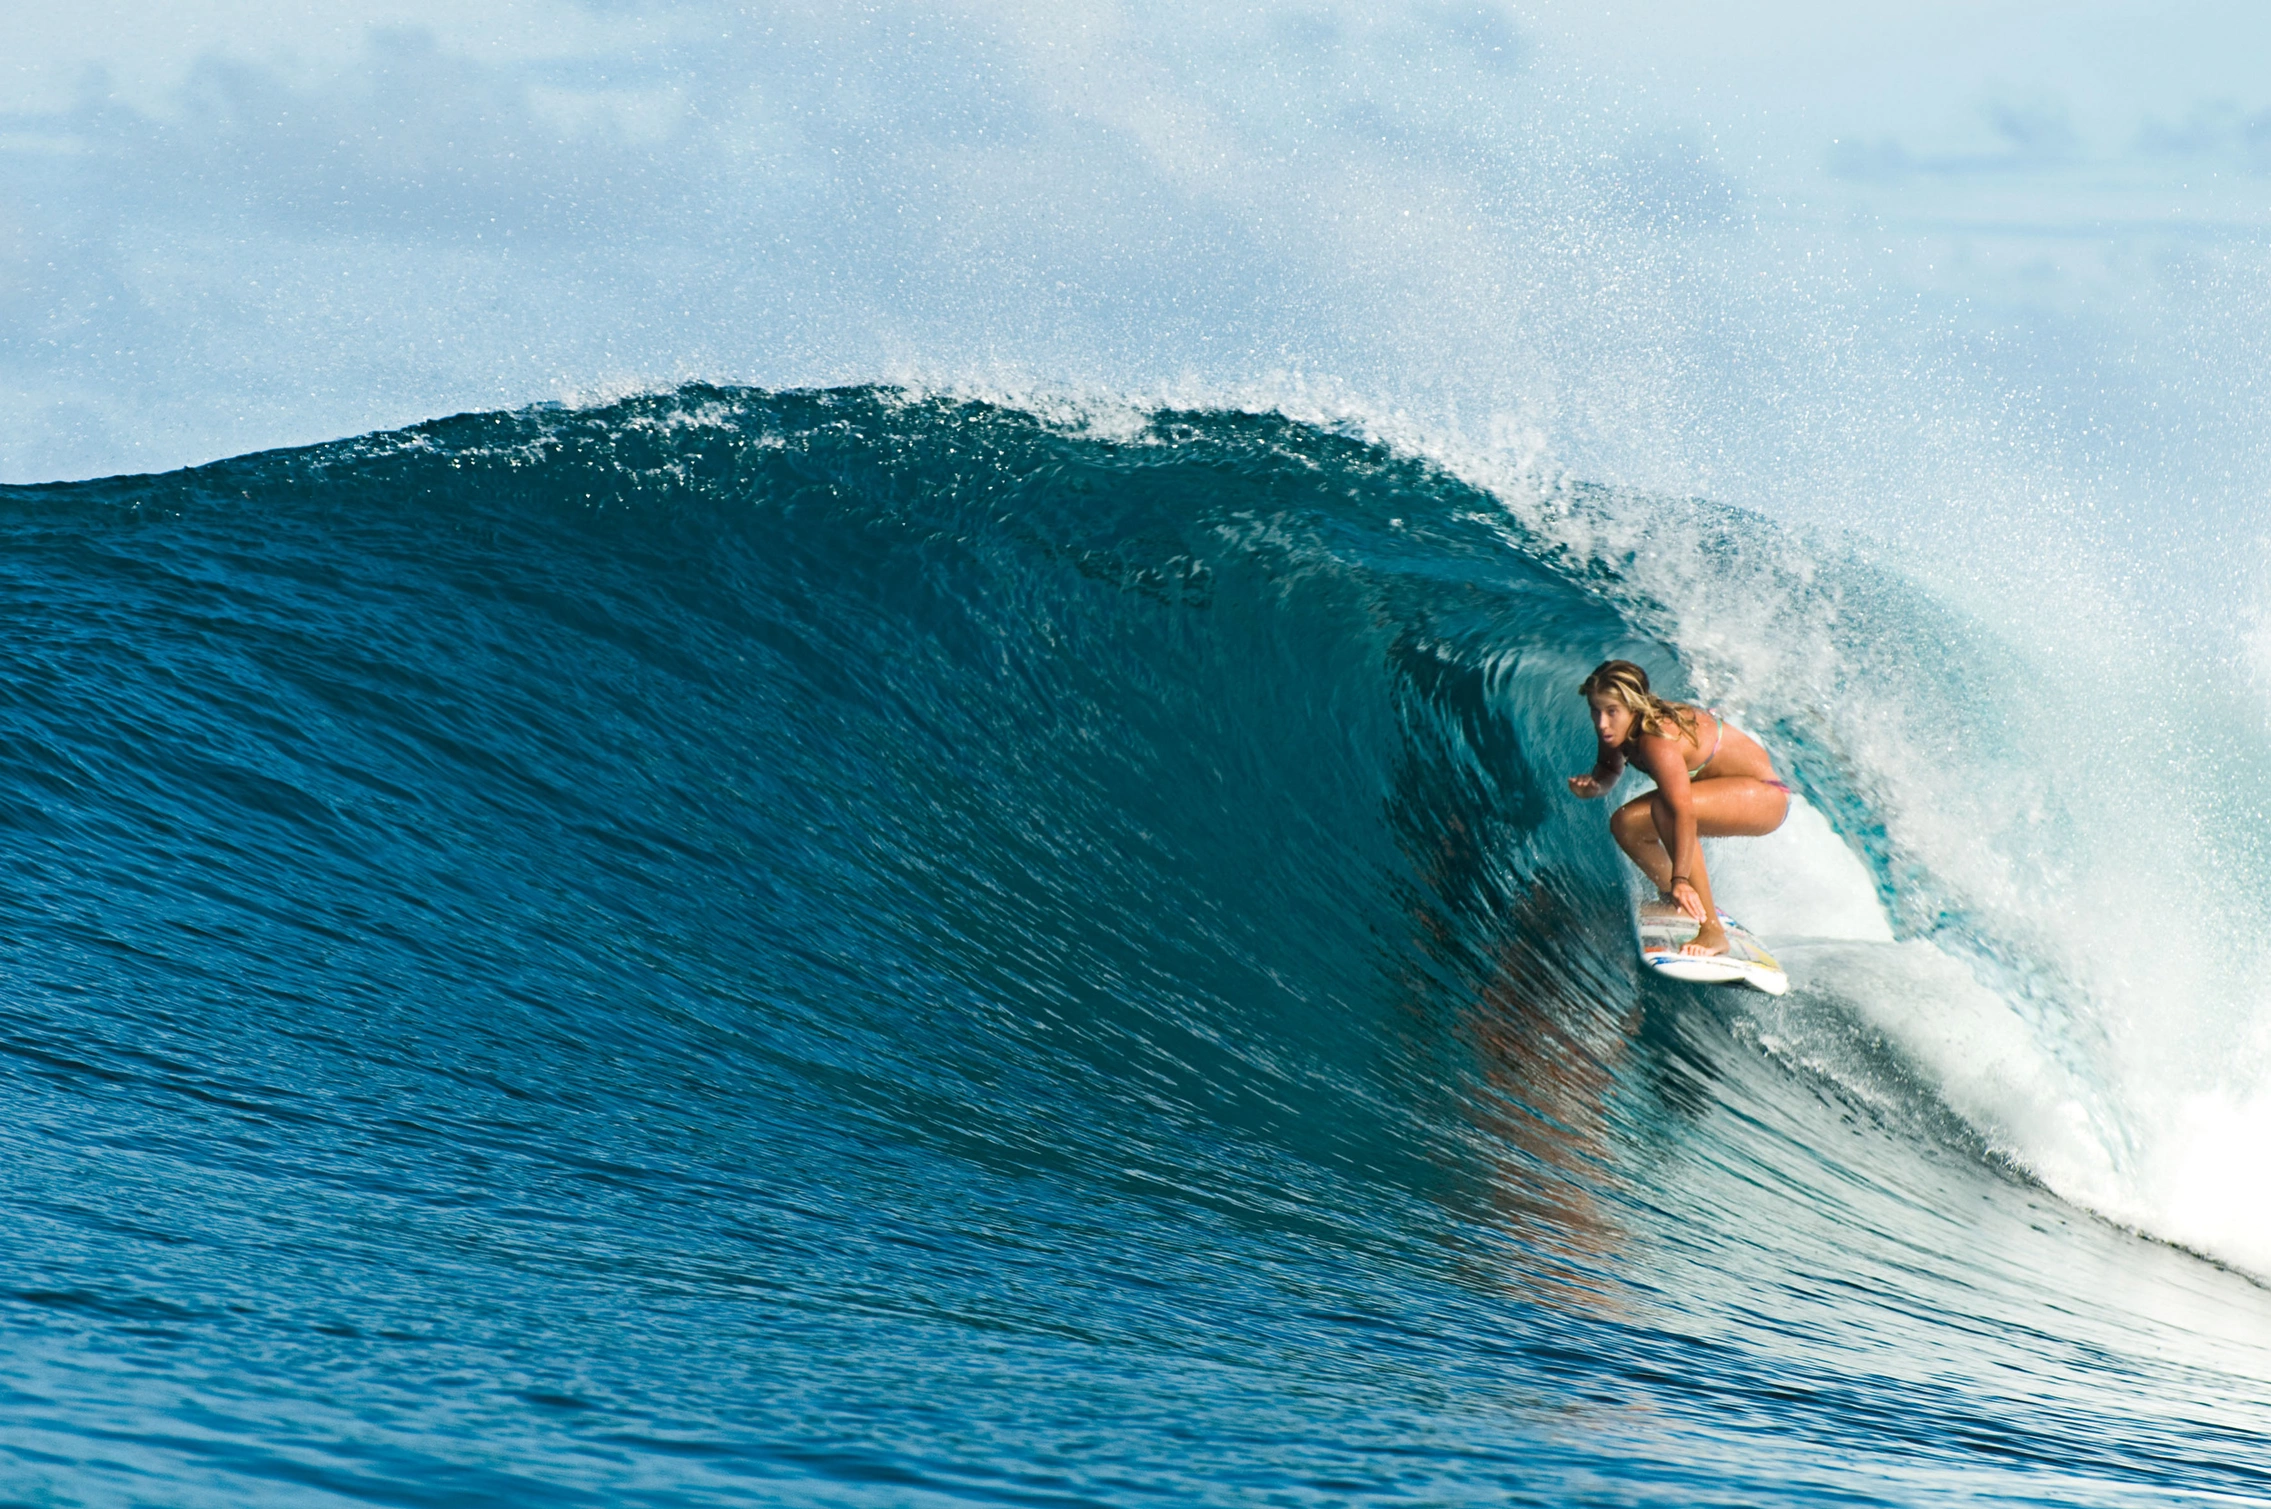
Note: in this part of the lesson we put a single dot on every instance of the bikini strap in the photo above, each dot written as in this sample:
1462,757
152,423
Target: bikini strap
1718,737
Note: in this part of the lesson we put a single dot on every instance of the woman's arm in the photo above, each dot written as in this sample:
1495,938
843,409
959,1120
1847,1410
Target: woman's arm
1602,776
1665,762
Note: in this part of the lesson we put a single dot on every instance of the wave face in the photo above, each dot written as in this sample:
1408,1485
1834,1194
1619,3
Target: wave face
845,946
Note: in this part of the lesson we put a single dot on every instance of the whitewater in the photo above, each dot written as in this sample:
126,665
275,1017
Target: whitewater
868,945
801,754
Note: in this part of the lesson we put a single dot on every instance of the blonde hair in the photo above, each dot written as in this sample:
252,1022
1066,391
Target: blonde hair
1626,684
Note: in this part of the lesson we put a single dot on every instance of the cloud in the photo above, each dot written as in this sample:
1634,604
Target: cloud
2213,129
2038,130
2028,135
808,193
1409,200
2037,135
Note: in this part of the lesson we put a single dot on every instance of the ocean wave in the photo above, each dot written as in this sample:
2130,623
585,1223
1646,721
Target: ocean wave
872,943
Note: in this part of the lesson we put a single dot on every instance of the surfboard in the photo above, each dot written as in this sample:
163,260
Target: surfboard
1662,927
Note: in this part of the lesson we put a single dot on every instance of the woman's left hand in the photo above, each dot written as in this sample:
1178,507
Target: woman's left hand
1684,897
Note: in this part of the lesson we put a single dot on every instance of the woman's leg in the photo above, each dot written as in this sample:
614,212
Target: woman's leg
1633,826
1725,807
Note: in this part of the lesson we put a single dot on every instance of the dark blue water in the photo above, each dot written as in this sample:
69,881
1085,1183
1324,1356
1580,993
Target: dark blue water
832,948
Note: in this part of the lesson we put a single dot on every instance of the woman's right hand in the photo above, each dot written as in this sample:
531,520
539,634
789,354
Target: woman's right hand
1587,786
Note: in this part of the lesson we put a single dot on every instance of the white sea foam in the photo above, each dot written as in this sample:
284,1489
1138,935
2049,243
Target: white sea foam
2066,837
1800,881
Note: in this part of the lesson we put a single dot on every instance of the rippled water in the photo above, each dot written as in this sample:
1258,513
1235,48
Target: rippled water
833,947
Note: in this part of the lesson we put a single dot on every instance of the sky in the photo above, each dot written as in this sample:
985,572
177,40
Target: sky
1798,257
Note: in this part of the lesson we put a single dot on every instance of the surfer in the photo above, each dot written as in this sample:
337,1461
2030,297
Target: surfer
1712,781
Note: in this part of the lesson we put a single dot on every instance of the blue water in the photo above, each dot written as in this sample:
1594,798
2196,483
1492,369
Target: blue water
841,947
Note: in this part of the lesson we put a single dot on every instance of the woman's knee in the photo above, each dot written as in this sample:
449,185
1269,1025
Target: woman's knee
1633,820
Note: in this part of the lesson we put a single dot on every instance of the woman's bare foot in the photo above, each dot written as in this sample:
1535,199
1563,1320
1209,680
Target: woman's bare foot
1709,939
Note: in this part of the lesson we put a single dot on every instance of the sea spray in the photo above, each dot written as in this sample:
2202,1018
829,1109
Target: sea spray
743,943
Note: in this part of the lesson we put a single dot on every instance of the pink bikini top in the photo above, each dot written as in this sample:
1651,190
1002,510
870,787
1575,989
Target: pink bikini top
1718,737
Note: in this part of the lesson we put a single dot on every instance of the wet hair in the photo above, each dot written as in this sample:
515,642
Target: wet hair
1626,684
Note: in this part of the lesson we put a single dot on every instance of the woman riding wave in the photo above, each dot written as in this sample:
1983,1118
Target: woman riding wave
1712,781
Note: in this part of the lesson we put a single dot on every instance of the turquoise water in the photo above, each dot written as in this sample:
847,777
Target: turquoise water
837,947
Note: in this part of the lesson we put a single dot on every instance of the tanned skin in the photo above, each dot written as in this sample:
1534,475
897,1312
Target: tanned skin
1660,832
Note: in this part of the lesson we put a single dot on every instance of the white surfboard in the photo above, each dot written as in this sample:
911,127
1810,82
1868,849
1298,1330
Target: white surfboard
1662,927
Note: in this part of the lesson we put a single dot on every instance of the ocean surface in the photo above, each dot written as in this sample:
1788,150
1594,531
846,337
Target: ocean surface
873,947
